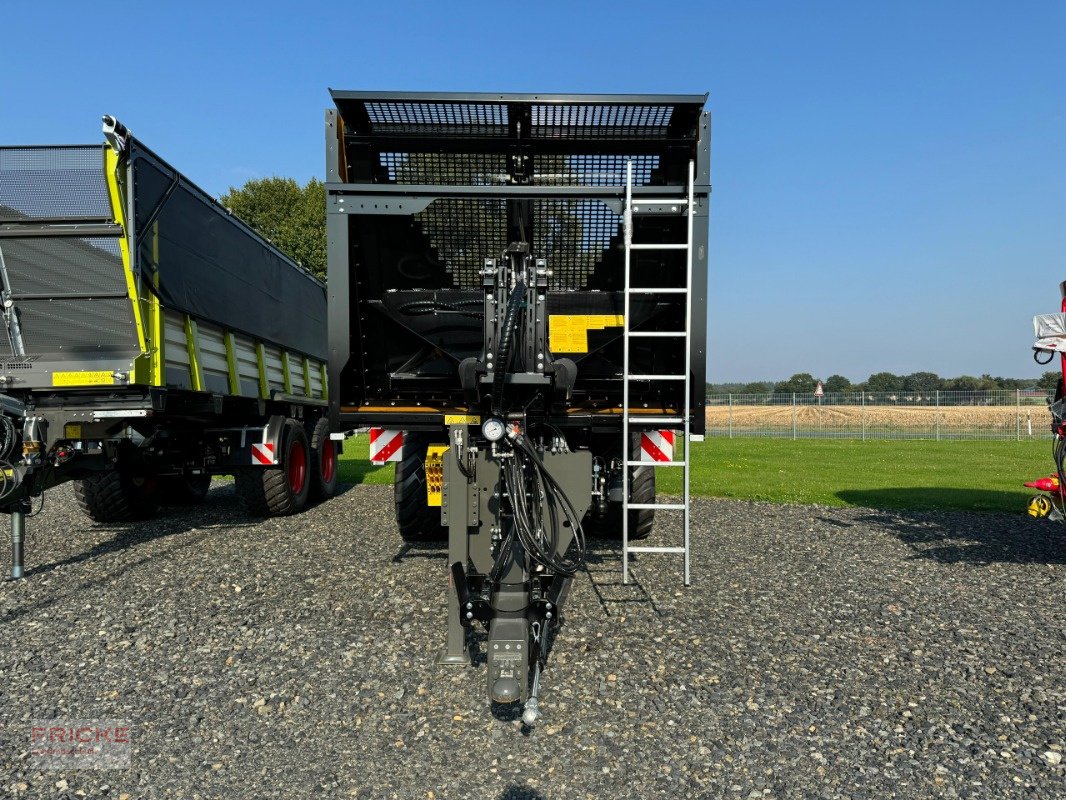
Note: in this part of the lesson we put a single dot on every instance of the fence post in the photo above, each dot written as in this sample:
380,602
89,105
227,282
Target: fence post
1018,414
730,415
936,415
862,414
793,416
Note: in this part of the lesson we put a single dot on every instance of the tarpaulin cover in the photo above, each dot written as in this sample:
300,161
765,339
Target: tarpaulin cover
212,266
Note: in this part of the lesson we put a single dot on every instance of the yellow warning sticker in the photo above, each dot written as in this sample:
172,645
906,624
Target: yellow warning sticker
462,419
83,378
569,333
72,430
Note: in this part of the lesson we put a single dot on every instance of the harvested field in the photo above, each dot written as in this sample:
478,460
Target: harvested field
998,421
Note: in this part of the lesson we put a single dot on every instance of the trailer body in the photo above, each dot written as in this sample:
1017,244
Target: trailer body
147,331
490,309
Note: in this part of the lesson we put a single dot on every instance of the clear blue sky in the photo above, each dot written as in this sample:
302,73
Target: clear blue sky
888,176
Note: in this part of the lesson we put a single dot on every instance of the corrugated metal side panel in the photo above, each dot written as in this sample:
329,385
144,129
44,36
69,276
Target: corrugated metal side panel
176,351
296,373
213,358
316,379
275,373
247,365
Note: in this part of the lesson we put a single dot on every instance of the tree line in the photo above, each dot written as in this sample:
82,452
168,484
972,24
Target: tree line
921,383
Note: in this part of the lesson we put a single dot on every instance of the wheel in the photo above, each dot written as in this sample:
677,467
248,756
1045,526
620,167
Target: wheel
323,461
184,490
281,490
115,496
417,520
641,520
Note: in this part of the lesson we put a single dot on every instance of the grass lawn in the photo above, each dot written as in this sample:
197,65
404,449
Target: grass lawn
984,476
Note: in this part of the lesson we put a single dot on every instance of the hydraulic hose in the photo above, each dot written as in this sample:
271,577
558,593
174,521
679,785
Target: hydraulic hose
503,349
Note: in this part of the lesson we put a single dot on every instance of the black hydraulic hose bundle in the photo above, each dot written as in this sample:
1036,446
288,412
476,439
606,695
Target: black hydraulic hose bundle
540,536
503,347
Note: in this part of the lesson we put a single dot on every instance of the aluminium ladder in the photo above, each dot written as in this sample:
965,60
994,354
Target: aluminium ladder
649,206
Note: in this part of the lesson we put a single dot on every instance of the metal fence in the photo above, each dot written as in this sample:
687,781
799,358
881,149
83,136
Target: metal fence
1005,414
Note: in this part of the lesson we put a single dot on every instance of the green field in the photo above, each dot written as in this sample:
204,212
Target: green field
984,476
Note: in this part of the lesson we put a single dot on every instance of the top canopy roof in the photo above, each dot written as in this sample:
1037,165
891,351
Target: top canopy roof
519,116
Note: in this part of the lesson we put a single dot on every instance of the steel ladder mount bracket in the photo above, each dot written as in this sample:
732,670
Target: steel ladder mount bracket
645,206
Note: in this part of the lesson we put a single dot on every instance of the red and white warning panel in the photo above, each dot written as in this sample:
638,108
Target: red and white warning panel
264,454
385,445
657,446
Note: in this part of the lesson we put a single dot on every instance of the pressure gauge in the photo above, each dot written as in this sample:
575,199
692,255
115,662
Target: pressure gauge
493,429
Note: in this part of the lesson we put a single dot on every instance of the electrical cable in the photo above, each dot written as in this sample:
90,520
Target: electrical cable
540,536
418,308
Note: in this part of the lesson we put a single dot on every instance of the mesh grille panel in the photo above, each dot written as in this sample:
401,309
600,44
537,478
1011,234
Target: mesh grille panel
448,169
490,169
53,182
44,266
600,121
453,119
464,233
573,236
592,170
71,326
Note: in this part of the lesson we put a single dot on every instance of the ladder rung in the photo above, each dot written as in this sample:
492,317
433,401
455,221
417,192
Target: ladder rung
656,549
666,506
656,377
656,463
658,334
657,290
649,246
656,420
660,201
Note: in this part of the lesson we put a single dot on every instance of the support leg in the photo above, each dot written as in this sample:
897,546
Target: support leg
455,649
18,537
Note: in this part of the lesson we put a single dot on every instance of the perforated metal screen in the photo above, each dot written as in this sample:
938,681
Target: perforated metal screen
582,121
40,182
490,169
463,233
63,265
449,169
573,235
453,119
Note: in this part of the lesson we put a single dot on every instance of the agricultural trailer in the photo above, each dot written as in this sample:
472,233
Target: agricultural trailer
517,289
151,340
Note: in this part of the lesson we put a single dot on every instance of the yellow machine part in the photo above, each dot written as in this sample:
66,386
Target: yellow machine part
1039,506
435,473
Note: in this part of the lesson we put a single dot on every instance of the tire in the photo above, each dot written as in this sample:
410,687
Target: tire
641,520
184,490
323,461
417,520
281,490
115,496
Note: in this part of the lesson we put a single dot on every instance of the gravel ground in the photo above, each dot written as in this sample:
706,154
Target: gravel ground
819,653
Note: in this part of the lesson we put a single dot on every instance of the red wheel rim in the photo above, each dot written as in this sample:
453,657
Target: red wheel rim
297,467
329,461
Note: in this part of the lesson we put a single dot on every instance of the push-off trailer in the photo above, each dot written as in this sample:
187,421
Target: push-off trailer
517,288
150,340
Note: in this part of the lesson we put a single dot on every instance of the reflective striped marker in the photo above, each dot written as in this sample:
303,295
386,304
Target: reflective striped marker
385,445
657,446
